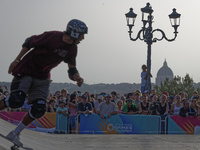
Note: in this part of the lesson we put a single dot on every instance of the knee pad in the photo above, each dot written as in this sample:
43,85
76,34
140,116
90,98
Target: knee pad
16,99
38,109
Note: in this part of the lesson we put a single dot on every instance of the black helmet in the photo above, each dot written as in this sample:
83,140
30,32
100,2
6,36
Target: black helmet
75,28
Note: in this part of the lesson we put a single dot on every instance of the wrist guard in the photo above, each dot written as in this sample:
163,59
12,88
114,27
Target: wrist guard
71,72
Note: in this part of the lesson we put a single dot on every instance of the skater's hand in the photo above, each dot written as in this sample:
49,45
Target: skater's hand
78,79
12,66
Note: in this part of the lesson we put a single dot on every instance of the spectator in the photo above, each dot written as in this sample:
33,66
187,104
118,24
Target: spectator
113,93
97,102
155,98
138,91
175,108
79,97
62,110
154,106
144,106
163,107
186,111
57,94
153,92
114,99
60,97
146,93
129,108
49,97
84,107
195,93
51,106
130,96
93,97
123,98
119,106
72,106
150,99
194,104
167,95
90,99
144,75
182,94
137,99
107,108
170,102
64,93
55,99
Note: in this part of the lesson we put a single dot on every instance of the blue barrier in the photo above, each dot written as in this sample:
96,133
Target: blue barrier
61,123
120,124
132,124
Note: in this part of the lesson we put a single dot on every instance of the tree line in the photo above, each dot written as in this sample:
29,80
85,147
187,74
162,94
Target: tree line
177,85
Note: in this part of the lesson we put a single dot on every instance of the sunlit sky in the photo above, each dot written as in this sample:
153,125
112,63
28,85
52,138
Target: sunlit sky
106,55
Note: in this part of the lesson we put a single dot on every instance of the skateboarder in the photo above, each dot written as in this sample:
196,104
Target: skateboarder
31,70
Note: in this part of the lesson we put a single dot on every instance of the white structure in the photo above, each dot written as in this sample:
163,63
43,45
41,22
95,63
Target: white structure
163,73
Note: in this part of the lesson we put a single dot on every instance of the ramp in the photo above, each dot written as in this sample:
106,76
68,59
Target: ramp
46,141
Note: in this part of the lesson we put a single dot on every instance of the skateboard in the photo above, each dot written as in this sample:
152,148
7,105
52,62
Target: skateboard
15,146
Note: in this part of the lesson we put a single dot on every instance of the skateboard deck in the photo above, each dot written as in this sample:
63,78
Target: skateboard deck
15,146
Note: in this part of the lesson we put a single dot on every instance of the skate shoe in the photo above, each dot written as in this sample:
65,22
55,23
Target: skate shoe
12,136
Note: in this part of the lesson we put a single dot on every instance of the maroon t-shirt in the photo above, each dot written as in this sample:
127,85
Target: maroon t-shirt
48,51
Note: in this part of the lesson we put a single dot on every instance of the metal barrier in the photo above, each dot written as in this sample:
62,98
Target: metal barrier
62,123
123,124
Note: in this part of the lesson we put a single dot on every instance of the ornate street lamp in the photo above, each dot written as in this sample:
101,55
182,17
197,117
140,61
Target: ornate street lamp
146,33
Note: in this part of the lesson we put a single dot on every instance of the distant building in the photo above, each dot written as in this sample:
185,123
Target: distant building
163,73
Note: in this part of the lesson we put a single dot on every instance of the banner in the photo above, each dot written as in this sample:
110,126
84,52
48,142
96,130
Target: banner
119,124
47,121
183,125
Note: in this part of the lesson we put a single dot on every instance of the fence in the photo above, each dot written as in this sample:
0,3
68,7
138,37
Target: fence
116,124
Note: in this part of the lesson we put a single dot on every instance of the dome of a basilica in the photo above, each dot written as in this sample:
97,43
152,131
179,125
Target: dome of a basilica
163,73
165,70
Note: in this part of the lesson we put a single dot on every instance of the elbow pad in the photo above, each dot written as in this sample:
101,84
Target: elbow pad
71,72
26,43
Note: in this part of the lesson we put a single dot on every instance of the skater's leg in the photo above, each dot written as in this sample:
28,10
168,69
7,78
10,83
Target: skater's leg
37,110
19,88
25,122
37,93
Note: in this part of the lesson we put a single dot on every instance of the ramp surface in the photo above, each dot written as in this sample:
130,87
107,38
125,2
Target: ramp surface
45,141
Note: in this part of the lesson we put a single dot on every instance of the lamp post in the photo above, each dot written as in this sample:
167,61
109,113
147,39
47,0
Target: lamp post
146,33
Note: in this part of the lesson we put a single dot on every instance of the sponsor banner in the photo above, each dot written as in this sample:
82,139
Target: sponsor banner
183,125
119,124
47,121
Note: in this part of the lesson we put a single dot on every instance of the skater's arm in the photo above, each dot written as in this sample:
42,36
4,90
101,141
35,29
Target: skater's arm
17,59
74,75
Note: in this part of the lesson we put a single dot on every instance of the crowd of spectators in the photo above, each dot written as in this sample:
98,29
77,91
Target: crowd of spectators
108,104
